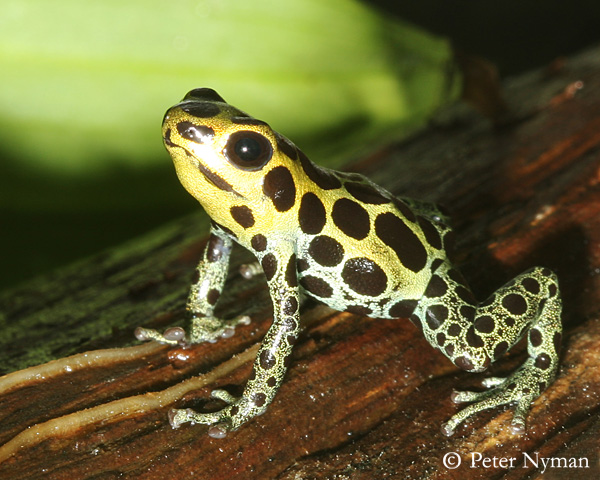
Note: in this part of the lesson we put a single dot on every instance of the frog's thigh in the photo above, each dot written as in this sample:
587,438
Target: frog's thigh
473,336
529,303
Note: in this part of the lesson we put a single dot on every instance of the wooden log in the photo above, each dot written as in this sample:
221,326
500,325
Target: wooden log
364,398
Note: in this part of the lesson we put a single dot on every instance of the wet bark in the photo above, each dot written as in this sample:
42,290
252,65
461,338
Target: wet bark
364,398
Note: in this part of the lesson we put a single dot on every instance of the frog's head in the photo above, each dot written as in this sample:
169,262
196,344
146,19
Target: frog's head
230,161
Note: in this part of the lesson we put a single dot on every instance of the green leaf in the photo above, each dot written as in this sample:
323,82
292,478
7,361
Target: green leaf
85,84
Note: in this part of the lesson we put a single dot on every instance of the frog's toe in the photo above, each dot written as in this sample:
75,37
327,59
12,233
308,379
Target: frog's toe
179,416
142,334
211,329
522,388
219,422
172,336
465,396
218,431
250,270
224,395
518,424
449,427
490,382
229,325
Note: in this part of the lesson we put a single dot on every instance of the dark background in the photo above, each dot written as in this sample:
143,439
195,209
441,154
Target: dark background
517,35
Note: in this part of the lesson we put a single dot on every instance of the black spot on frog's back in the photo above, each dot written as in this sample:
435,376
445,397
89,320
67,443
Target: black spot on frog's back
351,218
323,178
317,286
392,231
431,234
287,147
269,265
515,304
364,276
259,242
311,215
365,193
326,251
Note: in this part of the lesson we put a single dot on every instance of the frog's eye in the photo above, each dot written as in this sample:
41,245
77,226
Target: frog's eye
248,150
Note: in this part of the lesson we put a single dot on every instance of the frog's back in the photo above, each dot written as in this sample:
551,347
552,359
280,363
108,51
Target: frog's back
361,249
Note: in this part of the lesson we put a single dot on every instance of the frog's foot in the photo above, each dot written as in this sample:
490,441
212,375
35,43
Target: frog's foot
250,270
210,329
219,422
204,329
522,388
172,336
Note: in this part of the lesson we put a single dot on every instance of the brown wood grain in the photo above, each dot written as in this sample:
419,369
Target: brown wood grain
364,398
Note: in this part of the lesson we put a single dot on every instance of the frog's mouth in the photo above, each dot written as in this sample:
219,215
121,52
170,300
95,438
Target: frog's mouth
215,179
208,174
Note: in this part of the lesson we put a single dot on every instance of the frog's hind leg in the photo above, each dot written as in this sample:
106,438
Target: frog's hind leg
473,336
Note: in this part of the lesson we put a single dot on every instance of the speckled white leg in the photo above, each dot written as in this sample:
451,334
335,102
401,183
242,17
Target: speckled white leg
474,335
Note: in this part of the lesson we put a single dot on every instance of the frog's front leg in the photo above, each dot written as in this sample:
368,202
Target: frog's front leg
474,335
279,265
204,294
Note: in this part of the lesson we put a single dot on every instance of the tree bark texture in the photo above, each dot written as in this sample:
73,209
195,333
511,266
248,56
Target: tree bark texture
364,398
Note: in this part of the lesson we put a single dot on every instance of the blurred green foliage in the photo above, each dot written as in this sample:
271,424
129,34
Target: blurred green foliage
84,86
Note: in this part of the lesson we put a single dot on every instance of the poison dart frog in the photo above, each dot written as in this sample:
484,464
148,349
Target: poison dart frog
346,242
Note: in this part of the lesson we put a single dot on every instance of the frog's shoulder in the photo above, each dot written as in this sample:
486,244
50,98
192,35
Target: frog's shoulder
367,191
